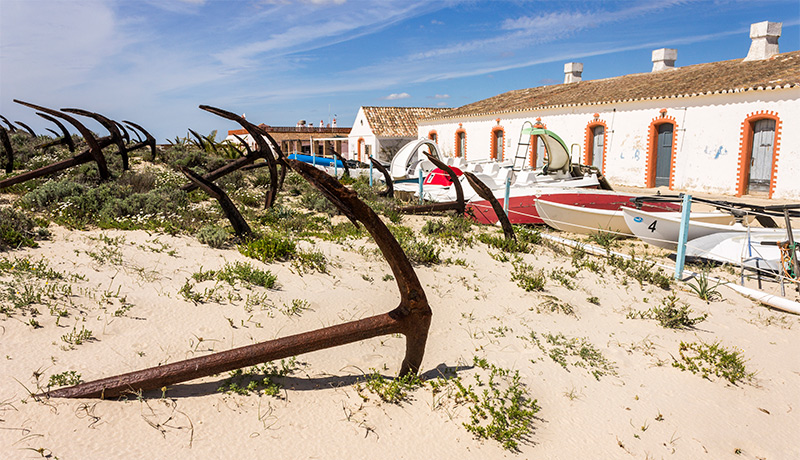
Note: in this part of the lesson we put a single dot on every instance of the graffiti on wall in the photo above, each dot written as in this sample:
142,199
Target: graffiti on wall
715,152
636,155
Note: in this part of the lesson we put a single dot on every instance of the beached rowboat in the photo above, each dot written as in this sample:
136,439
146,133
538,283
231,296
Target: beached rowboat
603,212
662,230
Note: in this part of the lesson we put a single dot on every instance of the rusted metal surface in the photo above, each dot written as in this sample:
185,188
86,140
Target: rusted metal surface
27,128
66,137
93,153
122,131
389,192
9,156
277,154
411,318
240,226
11,127
486,193
112,129
263,150
458,205
149,141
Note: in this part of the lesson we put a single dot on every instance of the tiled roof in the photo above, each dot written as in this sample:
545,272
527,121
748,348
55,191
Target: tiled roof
779,71
397,121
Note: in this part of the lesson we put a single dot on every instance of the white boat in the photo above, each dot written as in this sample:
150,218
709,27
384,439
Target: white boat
556,171
755,250
586,217
662,230
410,159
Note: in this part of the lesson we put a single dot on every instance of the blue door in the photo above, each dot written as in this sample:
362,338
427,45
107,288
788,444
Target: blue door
663,154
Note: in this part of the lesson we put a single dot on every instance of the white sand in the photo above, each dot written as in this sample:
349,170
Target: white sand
648,410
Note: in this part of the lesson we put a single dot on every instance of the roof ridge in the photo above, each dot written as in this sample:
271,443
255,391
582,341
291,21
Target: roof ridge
721,77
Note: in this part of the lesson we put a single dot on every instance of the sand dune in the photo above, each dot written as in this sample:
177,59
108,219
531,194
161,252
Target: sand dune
626,401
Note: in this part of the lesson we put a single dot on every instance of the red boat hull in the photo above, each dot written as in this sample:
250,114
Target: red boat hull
522,209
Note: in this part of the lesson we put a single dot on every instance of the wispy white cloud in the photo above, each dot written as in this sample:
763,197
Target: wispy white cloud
320,27
527,31
54,45
396,96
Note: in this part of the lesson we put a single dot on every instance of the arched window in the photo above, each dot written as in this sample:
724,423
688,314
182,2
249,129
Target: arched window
433,136
759,146
595,144
461,143
660,163
498,145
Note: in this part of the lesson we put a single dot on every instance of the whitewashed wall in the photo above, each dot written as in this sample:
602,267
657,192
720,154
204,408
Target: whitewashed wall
707,143
361,129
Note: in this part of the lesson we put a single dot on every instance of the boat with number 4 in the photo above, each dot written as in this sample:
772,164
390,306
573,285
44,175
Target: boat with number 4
662,230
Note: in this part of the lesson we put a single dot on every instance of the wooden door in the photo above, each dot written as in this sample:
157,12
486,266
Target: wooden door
663,154
761,156
597,147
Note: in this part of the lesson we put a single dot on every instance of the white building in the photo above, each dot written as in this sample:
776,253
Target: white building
381,131
722,127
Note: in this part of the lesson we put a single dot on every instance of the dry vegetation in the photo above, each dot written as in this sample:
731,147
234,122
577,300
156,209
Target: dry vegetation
531,342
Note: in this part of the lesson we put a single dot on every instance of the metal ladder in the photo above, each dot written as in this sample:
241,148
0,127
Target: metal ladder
523,146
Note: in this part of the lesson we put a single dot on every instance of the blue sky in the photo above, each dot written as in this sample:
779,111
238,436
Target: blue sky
278,61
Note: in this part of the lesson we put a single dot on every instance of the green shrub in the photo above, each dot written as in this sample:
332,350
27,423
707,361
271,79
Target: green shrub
393,391
703,288
713,359
527,277
419,252
503,244
238,271
502,411
260,379
16,229
269,248
575,351
213,235
64,378
455,229
672,314
528,235
641,270
112,205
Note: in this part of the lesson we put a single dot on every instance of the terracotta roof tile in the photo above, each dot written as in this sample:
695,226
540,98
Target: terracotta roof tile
779,71
397,121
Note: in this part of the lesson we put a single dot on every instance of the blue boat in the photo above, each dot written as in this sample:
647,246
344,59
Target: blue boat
315,160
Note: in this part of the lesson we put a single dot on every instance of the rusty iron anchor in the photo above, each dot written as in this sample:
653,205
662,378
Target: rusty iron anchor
149,141
411,318
389,192
263,150
6,143
113,132
457,205
26,128
11,128
240,226
66,137
486,193
93,153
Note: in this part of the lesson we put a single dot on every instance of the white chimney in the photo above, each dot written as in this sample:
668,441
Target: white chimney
572,72
765,40
664,59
